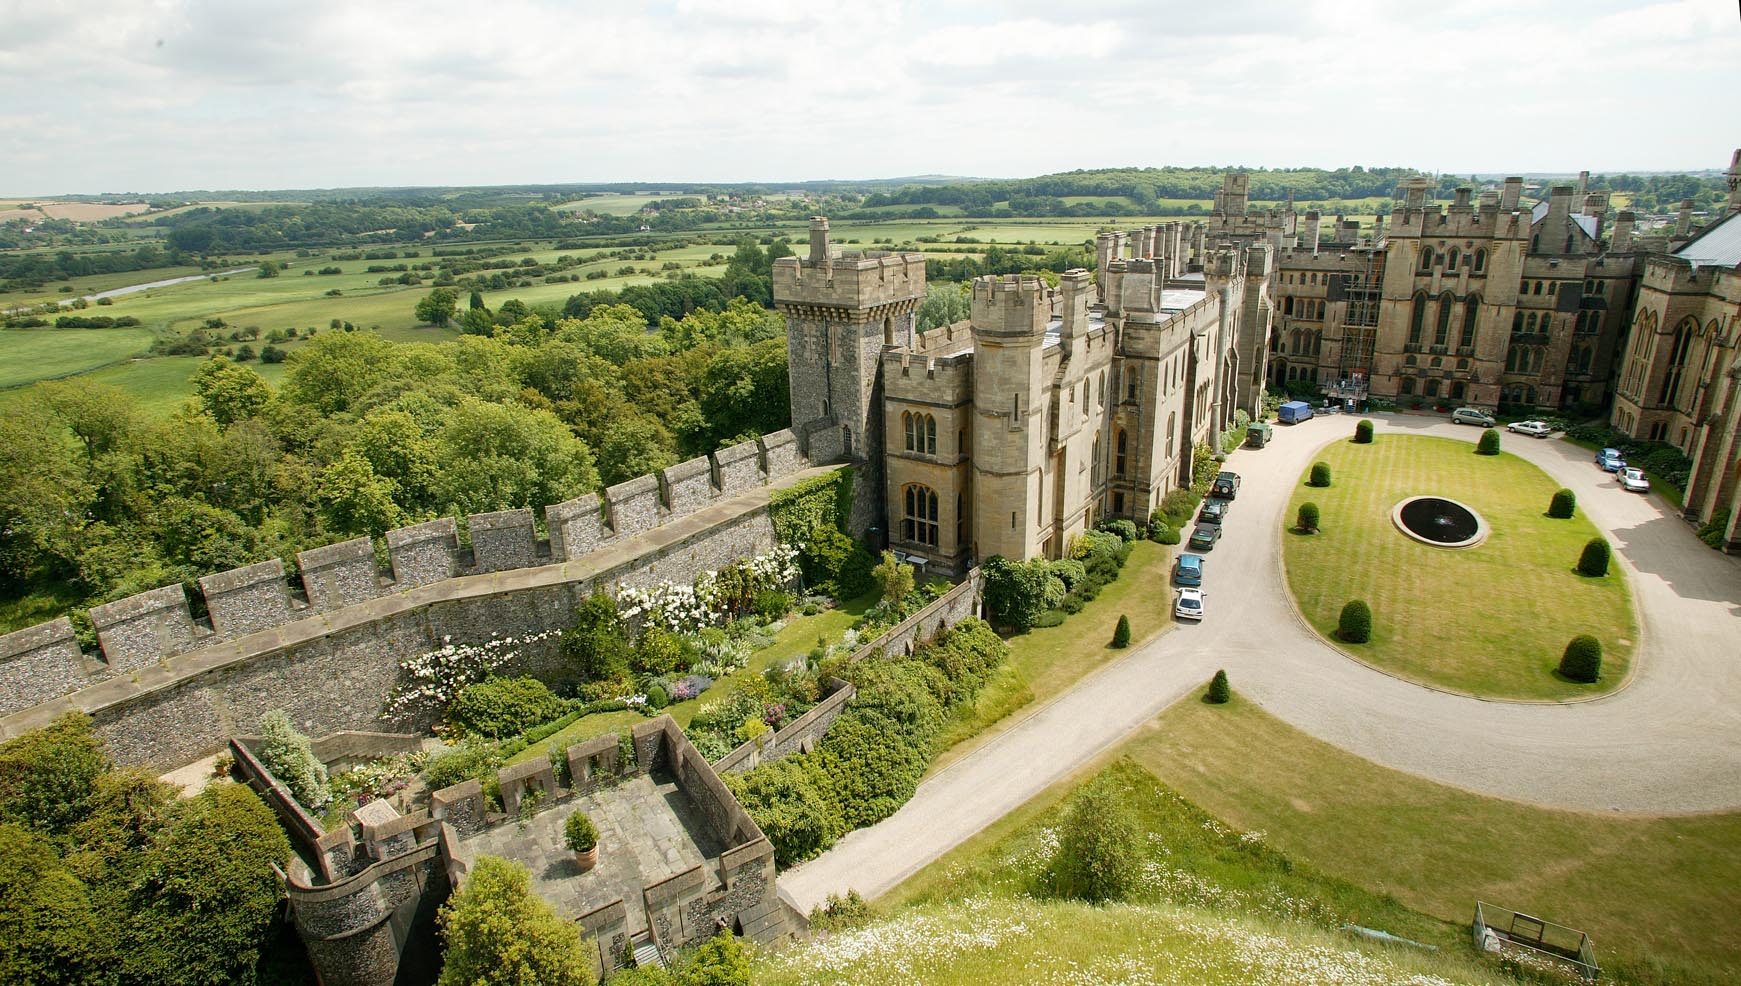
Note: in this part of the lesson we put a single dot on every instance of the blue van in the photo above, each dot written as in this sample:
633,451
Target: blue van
1293,412
1188,570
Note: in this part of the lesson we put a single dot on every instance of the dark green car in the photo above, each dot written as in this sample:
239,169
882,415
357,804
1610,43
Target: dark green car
1205,536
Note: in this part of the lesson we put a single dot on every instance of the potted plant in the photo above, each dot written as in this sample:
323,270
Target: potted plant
582,838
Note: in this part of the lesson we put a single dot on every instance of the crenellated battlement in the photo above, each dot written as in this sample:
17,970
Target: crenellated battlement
850,285
1481,222
1011,305
138,634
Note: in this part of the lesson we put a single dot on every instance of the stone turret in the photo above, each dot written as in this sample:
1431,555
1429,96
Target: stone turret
1684,221
1734,177
1623,222
1010,315
1512,194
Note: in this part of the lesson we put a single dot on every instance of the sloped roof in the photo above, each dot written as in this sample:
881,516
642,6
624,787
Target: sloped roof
1585,223
1717,245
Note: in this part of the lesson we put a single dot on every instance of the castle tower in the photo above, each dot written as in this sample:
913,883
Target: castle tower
1010,315
1734,176
841,313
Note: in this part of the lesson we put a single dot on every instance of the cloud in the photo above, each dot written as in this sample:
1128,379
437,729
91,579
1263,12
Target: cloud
158,95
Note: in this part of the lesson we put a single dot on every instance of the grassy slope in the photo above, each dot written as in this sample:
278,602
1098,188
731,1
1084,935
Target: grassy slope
28,355
1491,620
1668,886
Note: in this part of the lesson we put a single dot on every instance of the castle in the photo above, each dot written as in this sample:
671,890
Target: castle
1057,407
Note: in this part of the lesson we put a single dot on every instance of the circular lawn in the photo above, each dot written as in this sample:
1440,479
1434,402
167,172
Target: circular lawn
1490,620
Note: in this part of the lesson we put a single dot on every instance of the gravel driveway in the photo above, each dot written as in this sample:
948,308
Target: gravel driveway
1668,742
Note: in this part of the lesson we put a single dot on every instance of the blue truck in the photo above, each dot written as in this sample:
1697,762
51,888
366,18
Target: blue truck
1293,412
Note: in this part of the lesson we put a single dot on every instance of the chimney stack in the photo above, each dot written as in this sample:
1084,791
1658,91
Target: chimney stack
1511,194
819,241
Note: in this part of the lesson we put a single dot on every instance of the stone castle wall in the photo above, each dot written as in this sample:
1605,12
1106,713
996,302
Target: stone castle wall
167,689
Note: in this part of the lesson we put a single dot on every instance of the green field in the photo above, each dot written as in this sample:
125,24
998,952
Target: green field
28,355
617,205
1491,620
1658,895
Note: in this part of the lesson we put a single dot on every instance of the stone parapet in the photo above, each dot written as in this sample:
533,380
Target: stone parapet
576,527
461,806
688,486
780,456
738,468
633,506
142,630
244,600
340,574
423,554
39,663
503,540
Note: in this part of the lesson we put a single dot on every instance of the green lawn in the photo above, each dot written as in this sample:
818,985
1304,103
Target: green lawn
28,355
1652,892
1490,620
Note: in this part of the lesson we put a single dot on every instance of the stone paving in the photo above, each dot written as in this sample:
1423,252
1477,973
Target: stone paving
648,829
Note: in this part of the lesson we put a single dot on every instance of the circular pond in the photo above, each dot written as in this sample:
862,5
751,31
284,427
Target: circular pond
1439,522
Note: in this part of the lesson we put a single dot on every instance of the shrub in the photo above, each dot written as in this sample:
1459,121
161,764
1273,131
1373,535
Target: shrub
1178,506
657,696
1582,660
595,646
1355,624
1121,635
290,758
720,961
1161,533
1126,530
1069,571
1563,505
47,775
498,707
1489,443
1714,532
1050,618
1017,592
494,929
1072,604
471,759
894,578
772,604
1363,432
1320,474
839,913
1307,519
660,652
1219,693
1099,855
1594,560
835,564
578,832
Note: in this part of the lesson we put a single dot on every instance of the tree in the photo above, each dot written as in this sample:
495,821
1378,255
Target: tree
1121,634
745,391
1593,562
355,500
501,456
1489,443
267,269
1363,432
52,936
895,578
228,392
47,775
1016,593
1219,693
1099,850
1563,505
944,304
1354,626
286,752
332,371
595,647
438,307
1307,519
1320,474
1582,660
496,932
634,445
720,961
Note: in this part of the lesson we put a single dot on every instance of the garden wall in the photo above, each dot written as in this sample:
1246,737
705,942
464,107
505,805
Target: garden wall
333,665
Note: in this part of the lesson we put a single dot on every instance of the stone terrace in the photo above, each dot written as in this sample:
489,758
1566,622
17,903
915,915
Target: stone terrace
649,830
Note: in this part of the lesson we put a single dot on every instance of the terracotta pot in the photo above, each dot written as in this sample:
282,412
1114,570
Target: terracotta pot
587,860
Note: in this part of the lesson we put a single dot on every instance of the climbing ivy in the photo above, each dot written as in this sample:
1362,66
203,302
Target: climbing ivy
821,501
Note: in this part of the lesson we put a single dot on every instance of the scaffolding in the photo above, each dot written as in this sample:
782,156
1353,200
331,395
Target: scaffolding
1361,291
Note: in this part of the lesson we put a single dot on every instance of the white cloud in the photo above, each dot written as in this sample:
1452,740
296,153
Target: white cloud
158,95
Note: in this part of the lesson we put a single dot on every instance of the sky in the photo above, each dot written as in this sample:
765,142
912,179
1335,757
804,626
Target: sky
109,96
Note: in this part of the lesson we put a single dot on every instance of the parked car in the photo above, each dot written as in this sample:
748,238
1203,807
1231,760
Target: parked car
1190,604
1204,536
1610,460
1258,435
1632,480
1213,512
1226,485
1540,429
1188,570
1472,416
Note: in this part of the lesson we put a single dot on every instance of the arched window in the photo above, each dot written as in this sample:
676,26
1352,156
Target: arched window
1170,426
1426,258
919,524
930,435
1517,323
907,429
888,331
1457,390
960,522
1677,358
1118,456
1408,386
1480,261
1417,319
1102,388
1410,360
1529,323
1433,387
1471,310
1451,261
1442,328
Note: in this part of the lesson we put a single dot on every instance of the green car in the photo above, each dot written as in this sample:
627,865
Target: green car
1205,536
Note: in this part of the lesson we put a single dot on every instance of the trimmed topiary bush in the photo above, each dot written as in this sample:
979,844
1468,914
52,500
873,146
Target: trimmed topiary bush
1355,624
1563,505
579,832
1218,693
1320,474
1307,519
498,707
1489,443
1582,660
1121,635
1594,561
1363,432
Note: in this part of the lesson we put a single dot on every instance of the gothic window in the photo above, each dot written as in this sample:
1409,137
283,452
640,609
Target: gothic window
1517,322
1471,309
1451,262
930,435
1408,386
1170,428
1426,259
919,525
1553,288
1118,458
1102,388
1530,323
1417,319
960,522
1130,383
1433,387
1442,328
1677,358
1537,289
1288,305
907,427
1457,390
1480,261
1410,360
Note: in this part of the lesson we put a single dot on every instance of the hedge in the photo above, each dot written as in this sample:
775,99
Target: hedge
1320,474
1489,443
821,501
1563,505
1582,660
1307,519
1594,560
1355,624
1363,432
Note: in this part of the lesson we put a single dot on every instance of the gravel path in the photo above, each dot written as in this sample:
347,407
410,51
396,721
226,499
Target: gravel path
1668,742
